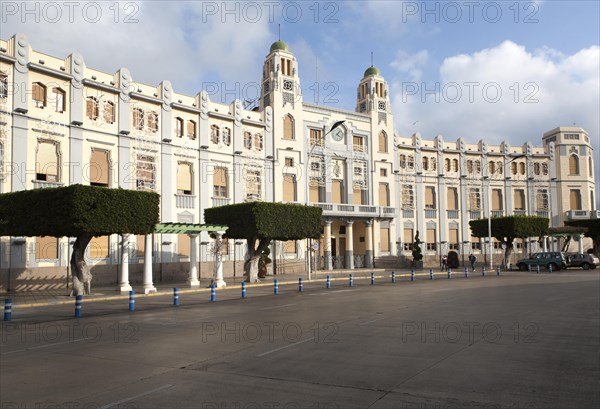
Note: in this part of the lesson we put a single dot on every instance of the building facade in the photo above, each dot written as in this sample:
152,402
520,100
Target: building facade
62,122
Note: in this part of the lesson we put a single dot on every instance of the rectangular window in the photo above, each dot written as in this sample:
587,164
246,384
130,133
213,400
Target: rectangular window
316,137
430,239
140,245
153,121
313,193
452,198
99,168
184,178
99,247
220,183
336,191
58,99
39,95
430,197
474,199
357,144
357,196
146,173
408,239
384,195
179,127
3,86
384,239
542,199
408,198
289,247
138,119
46,248
183,245
289,188
453,239
253,184
289,162
497,199
383,172
575,199
92,109
47,162
109,112
191,130
519,200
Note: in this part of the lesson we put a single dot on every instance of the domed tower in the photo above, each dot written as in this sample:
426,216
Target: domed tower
280,81
373,93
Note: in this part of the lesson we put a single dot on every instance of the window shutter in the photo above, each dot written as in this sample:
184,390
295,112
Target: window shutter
357,196
184,177
289,188
383,194
99,167
384,239
47,160
336,191
99,247
313,191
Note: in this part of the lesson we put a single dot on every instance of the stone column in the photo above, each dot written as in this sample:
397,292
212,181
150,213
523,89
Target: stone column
148,286
349,245
369,244
545,243
193,278
327,246
124,285
581,243
218,274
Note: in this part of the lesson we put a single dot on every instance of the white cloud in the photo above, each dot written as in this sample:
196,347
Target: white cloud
410,64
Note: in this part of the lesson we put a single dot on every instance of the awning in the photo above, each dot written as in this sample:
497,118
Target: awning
188,228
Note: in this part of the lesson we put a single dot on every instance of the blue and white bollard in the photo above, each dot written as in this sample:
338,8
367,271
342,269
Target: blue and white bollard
213,292
350,281
78,305
132,300
372,278
549,268
175,296
483,271
275,287
328,284
412,275
431,274
498,271
529,267
510,267
466,272
7,309
300,285
393,277
243,289
538,268
449,273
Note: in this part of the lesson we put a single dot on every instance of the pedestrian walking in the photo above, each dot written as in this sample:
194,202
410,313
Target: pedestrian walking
472,260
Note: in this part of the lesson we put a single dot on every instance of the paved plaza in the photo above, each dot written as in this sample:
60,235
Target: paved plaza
521,340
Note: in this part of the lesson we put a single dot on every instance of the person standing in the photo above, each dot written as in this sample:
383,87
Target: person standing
472,260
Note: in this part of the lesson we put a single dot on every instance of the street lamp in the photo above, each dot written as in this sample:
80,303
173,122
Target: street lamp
306,189
489,207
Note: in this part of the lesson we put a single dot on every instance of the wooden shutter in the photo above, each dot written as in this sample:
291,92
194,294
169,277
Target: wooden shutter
39,93
357,197
408,235
383,194
452,199
519,205
184,178
336,191
289,188
289,247
384,239
496,199
430,197
313,193
46,248
140,246
430,236
575,200
288,127
183,245
453,239
382,142
47,160
99,167
99,247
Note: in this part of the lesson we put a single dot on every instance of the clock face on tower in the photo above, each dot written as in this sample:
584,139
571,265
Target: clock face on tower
337,134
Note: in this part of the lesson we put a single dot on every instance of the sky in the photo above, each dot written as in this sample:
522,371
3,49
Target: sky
492,70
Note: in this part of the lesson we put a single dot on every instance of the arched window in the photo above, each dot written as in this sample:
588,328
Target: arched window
425,163
544,169
513,168
454,165
492,167
477,166
590,167
469,166
226,136
248,140
382,141
433,163
402,161
214,134
573,165
522,168
92,110
447,164
288,127
258,141
537,168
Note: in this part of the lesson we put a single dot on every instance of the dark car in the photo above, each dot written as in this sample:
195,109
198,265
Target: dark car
585,261
552,259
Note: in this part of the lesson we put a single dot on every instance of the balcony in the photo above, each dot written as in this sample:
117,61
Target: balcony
583,214
474,214
42,184
220,201
497,213
453,214
542,213
343,209
408,213
519,212
386,211
184,201
430,213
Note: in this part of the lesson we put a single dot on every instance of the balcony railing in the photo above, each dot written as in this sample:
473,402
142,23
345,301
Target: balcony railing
430,213
583,214
184,201
542,213
344,209
497,213
474,214
519,212
408,213
42,184
452,214
367,209
220,201
387,211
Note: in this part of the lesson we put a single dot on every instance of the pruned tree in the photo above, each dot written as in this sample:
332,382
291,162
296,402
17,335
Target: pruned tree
416,248
259,223
78,211
593,230
507,229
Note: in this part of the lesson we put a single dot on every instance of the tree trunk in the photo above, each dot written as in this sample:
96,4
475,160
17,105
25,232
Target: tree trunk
508,253
82,278
254,254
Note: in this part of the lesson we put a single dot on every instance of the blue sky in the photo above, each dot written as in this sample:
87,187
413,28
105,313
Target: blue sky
542,56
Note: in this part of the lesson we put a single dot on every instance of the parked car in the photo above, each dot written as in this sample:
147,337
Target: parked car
585,261
555,259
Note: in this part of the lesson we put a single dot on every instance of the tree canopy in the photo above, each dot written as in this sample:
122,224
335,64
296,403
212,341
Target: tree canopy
76,209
